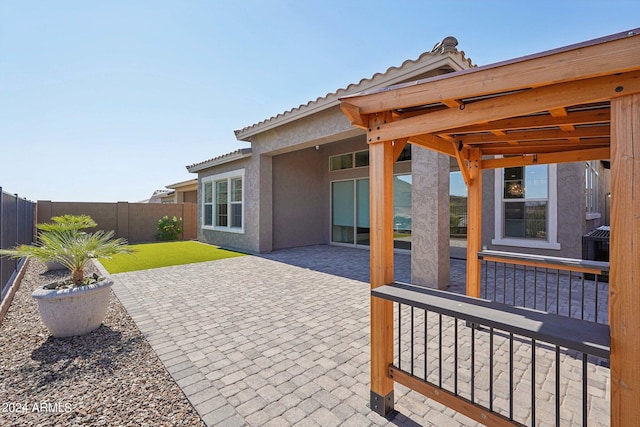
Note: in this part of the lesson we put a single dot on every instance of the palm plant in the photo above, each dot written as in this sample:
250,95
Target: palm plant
63,242
68,222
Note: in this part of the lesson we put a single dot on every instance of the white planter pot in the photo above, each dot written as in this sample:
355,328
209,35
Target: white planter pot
73,311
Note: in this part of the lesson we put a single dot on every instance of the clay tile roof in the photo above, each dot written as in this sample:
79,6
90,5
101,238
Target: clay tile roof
446,46
224,158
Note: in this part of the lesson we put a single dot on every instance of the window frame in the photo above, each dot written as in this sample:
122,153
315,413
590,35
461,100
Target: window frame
354,162
213,180
551,241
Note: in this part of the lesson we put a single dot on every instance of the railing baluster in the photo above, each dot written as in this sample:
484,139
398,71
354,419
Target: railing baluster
582,304
440,350
546,289
399,335
491,369
455,356
535,288
570,292
557,386
495,280
426,340
486,279
597,295
504,283
533,382
473,361
511,375
524,286
412,328
514,284
557,291
584,389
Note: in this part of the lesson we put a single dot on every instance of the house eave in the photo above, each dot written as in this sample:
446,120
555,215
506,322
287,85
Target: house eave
195,168
454,60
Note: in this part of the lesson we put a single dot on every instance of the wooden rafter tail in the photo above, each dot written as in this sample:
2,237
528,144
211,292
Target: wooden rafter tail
588,117
548,158
353,113
521,103
539,135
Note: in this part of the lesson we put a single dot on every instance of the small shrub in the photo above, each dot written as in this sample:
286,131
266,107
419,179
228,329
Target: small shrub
169,228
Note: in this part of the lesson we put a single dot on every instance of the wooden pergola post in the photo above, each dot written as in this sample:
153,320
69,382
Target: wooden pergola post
474,222
381,159
624,285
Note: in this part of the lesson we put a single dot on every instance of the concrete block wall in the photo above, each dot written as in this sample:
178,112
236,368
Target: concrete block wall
136,222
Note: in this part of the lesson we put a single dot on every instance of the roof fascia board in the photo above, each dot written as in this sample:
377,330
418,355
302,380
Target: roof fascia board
377,81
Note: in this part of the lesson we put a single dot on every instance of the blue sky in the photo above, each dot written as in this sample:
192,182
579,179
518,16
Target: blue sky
110,100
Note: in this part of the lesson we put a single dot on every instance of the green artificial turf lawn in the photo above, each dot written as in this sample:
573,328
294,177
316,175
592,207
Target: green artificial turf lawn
155,255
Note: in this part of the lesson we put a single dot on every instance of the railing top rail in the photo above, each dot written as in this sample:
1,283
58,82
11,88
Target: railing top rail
564,263
587,337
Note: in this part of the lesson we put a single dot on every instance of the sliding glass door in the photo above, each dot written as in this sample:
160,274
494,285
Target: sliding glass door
350,211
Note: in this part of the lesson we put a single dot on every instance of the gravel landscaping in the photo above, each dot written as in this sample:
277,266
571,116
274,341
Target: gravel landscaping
110,376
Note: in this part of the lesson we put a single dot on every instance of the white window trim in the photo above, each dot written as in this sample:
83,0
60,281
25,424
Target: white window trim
552,206
219,177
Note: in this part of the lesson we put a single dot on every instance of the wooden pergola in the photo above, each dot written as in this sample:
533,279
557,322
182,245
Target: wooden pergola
573,104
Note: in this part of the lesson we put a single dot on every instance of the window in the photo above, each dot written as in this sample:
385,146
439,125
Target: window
343,161
591,189
360,159
526,207
222,201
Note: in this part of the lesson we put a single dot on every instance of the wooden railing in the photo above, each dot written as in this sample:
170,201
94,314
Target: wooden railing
564,286
496,363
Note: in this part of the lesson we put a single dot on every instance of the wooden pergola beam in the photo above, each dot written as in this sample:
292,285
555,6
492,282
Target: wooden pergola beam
538,135
548,158
542,147
516,104
613,54
577,118
433,143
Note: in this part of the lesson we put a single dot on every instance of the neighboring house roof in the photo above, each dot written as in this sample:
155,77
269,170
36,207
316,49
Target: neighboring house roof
184,185
162,193
158,195
441,56
219,160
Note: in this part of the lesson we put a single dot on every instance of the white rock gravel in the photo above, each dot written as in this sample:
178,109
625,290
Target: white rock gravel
108,377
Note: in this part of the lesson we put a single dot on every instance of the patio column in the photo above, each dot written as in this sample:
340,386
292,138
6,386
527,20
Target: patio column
474,223
430,218
381,222
624,281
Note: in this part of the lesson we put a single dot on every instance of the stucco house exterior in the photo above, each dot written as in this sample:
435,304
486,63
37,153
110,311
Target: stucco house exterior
180,192
304,181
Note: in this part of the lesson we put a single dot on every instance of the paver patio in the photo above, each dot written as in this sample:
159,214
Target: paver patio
281,339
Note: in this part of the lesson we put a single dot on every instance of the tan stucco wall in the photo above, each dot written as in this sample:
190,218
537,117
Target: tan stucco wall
249,240
299,193
136,222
